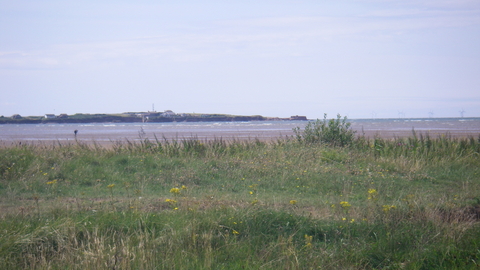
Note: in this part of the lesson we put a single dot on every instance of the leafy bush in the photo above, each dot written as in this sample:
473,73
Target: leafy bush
334,132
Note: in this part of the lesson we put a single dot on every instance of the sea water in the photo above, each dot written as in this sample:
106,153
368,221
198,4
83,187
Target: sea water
112,132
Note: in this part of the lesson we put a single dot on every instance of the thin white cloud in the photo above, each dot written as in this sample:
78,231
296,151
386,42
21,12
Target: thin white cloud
263,36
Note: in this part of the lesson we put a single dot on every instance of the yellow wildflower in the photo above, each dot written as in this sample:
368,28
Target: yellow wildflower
387,208
52,182
170,201
345,205
293,202
308,240
111,185
175,191
372,193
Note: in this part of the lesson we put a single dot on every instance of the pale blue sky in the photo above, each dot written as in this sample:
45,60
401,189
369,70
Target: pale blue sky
360,58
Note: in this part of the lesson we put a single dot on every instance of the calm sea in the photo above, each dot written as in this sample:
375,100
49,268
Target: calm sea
112,132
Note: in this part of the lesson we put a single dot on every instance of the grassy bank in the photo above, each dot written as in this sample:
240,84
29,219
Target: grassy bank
302,203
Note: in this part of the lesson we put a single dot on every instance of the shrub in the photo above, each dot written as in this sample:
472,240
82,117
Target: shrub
334,132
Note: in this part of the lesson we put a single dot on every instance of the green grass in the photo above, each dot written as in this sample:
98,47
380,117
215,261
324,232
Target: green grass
410,203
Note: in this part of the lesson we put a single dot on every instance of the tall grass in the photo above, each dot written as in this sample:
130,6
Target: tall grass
406,203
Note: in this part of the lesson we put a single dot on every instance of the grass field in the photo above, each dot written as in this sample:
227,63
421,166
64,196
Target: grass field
296,203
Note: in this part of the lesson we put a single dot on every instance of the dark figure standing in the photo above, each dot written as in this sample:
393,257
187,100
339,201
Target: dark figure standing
75,132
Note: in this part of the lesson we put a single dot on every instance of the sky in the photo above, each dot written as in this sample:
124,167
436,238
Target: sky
356,58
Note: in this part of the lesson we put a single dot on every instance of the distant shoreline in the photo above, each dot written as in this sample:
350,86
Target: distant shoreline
154,117
139,117
189,120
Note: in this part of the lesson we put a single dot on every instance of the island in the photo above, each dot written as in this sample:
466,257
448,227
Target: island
132,117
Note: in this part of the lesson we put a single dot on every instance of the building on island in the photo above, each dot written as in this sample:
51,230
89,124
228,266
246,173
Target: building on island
298,117
168,113
50,116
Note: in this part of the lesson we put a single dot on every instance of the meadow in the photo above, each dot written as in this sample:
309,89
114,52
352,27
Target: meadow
323,199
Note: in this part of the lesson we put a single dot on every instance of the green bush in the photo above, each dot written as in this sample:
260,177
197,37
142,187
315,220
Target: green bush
335,132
